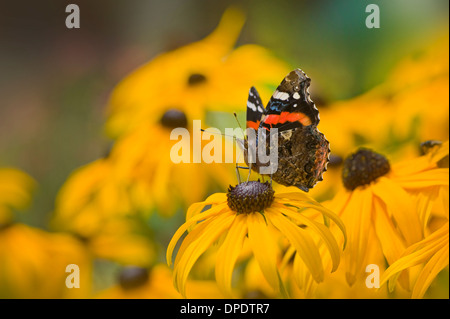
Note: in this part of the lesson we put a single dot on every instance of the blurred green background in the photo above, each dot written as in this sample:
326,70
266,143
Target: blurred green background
55,82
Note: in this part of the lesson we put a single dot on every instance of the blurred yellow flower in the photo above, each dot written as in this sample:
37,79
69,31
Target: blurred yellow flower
32,261
15,192
92,205
252,212
409,107
156,283
33,264
154,181
201,76
91,195
123,240
169,92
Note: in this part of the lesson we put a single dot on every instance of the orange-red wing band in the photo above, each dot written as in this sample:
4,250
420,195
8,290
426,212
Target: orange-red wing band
284,117
253,125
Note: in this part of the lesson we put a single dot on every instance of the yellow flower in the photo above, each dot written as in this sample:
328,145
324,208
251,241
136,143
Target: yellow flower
375,200
426,178
94,206
252,212
155,283
122,240
205,75
91,195
433,251
33,263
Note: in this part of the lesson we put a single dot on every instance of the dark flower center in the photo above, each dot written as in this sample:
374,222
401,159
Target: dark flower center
249,197
132,277
363,167
174,118
196,78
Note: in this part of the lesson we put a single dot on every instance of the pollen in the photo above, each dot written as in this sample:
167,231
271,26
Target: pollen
249,197
363,167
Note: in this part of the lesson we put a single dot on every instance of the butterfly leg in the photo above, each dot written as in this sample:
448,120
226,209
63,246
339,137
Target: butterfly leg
237,172
249,171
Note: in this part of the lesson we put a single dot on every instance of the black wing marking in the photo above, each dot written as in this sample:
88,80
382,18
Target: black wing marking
255,109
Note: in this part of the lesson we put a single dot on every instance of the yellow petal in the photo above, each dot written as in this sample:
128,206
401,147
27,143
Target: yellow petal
357,218
303,243
298,196
228,30
418,253
433,177
323,231
264,248
180,231
437,262
331,215
400,205
229,252
15,187
391,243
216,198
195,243
302,277
194,210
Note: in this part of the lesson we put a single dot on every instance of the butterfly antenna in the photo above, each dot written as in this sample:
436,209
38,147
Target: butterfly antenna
237,120
222,134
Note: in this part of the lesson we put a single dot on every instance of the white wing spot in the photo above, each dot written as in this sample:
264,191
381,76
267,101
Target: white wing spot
296,96
251,106
280,95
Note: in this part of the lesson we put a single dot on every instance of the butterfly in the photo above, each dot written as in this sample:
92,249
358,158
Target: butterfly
303,151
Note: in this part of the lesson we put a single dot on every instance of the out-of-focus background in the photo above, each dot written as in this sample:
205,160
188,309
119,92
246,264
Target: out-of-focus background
55,82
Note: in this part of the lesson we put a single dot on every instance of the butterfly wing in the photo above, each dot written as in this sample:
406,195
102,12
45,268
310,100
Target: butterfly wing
255,109
291,105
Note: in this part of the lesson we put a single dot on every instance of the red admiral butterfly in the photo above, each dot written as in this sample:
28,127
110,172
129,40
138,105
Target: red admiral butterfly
303,152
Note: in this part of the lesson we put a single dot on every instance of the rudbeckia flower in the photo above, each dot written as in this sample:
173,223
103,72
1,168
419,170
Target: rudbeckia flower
201,76
433,251
379,211
252,212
